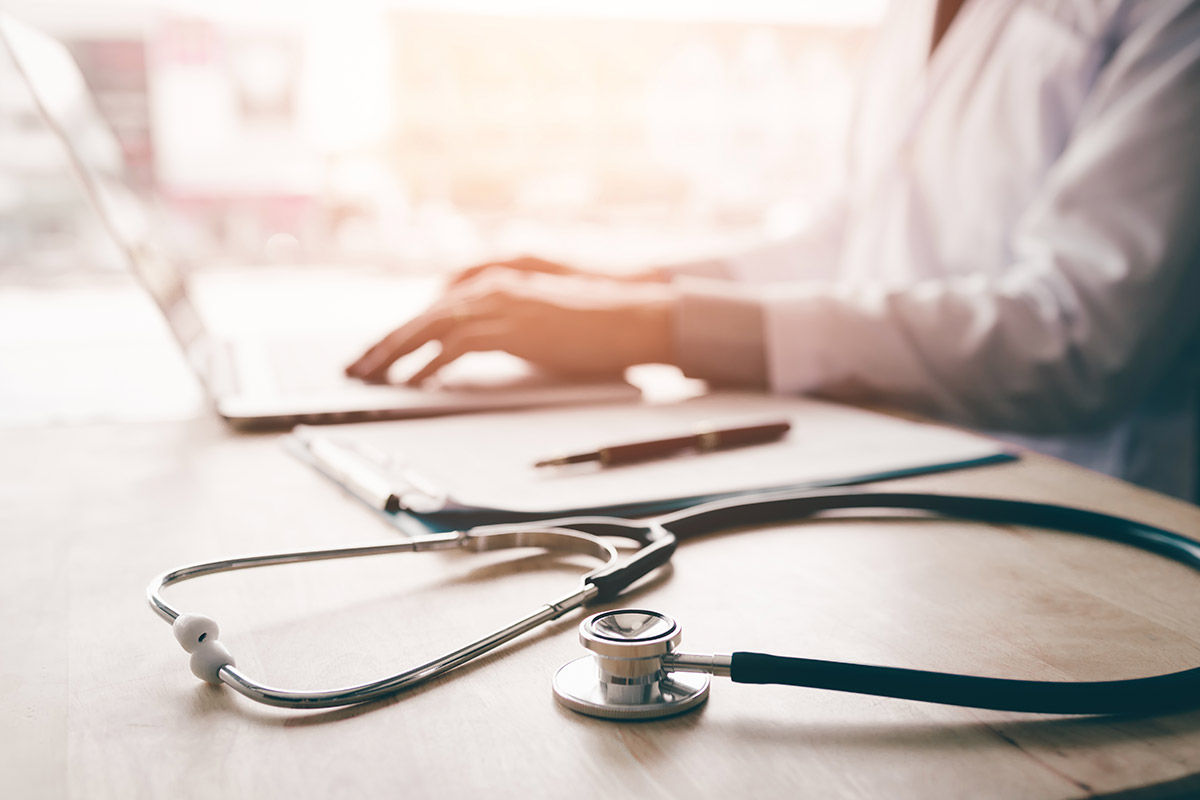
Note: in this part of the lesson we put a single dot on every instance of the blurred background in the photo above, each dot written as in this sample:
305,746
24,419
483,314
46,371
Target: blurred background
362,140
419,136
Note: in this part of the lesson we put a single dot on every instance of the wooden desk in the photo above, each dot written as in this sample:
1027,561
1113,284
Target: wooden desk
97,701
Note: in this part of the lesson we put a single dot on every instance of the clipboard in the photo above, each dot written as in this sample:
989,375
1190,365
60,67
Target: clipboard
458,472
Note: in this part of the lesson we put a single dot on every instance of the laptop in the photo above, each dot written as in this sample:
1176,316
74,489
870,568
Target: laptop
254,380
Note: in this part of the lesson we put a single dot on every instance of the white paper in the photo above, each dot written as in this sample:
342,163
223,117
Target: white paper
487,460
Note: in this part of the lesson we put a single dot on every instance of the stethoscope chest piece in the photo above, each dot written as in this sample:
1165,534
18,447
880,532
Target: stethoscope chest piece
626,677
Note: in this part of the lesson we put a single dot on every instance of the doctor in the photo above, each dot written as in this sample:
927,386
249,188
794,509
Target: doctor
1016,247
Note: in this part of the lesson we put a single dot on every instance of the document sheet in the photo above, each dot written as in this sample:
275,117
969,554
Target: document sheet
486,461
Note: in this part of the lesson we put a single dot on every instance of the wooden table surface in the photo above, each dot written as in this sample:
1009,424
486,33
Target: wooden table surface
97,700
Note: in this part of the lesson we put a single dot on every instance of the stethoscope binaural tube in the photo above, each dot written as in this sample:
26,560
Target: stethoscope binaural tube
788,507
1136,696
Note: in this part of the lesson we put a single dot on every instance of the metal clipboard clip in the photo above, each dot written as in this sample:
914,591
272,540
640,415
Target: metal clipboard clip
372,477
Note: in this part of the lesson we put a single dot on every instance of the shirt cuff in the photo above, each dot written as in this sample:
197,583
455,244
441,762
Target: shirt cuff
719,333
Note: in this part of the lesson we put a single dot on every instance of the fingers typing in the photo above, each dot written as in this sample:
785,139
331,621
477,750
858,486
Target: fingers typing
471,337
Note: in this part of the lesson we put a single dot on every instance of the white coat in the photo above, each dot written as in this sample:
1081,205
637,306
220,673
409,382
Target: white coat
1017,246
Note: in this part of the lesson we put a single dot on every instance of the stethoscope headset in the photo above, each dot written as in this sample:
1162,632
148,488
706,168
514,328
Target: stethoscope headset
636,671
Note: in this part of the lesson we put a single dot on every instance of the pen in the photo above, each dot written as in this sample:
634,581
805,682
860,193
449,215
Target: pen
703,441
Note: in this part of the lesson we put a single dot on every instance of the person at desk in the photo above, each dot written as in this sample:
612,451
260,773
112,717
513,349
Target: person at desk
1015,247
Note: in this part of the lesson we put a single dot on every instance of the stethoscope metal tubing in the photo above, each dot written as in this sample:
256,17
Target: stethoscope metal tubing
440,541
720,665
285,698
549,537
477,541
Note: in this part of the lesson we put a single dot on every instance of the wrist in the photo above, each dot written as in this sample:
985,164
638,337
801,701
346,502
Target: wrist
658,319
719,335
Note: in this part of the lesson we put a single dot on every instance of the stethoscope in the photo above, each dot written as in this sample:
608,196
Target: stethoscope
636,670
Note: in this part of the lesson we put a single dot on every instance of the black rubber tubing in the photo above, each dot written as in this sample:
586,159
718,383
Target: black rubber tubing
1171,692
1174,691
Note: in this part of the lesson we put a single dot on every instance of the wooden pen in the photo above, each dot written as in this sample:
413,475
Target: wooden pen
703,440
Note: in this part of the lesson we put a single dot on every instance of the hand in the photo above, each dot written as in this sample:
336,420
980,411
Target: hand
533,265
569,324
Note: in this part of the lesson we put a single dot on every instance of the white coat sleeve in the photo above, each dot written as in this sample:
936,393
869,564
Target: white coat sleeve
1103,294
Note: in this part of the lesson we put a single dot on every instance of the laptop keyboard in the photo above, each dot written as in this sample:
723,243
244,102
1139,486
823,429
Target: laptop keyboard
301,366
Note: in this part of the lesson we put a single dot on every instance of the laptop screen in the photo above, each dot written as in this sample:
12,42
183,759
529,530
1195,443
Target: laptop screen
66,104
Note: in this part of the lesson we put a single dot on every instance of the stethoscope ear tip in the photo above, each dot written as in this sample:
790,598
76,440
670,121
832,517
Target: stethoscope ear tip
192,630
197,634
